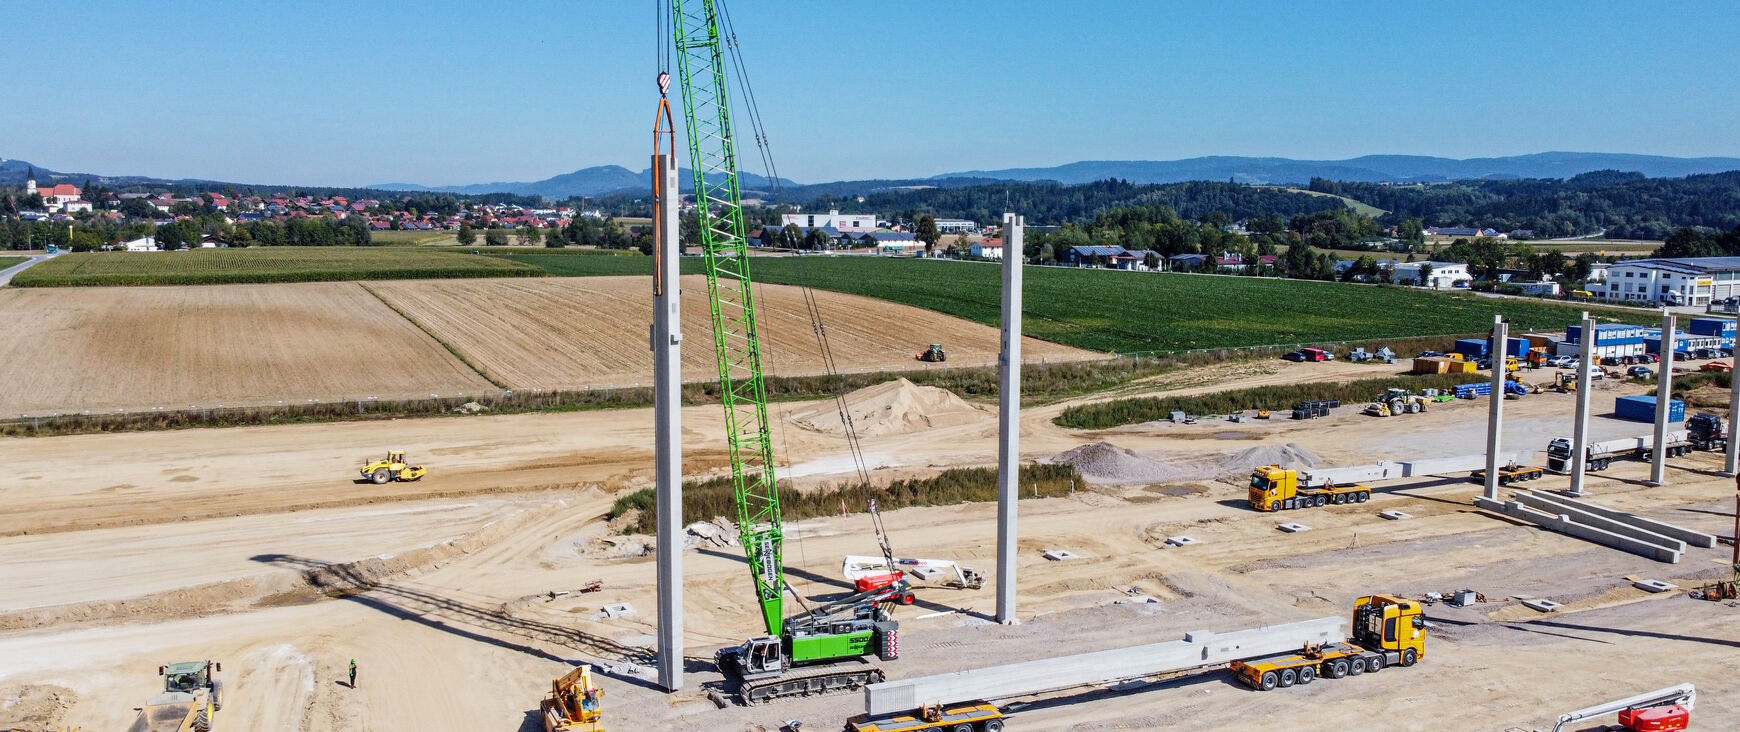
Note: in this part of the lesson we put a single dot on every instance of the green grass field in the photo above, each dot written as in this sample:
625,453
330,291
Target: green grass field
10,261
1130,312
416,238
273,264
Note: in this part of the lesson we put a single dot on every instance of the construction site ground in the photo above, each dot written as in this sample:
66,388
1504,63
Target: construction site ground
256,547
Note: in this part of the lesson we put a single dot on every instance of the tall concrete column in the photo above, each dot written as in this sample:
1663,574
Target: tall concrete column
1495,415
1731,467
667,339
1009,417
1663,397
1580,432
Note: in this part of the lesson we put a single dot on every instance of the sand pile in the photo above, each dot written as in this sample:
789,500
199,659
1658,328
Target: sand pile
1103,462
891,408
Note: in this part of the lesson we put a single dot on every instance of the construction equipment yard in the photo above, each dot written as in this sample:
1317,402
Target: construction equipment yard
459,594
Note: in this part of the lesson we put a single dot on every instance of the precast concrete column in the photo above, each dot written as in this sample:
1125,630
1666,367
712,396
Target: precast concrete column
1580,431
1495,413
1731,467
1663,397
667,339
1009,417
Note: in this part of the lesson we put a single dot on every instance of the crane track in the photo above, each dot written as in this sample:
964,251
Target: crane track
831,680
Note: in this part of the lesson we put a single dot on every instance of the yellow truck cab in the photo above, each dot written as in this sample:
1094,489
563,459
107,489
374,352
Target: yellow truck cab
1387,631
1274,488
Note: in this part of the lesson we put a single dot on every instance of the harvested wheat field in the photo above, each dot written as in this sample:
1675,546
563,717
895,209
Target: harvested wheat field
106,348
592,331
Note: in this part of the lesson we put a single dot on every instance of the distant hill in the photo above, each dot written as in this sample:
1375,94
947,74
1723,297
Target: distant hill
595,181
1364,169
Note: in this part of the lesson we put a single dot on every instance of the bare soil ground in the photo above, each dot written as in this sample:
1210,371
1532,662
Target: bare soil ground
276,563
100,348
591,331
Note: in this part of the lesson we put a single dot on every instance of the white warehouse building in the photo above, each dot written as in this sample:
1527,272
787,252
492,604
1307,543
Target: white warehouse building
845,223
1443,276
1688,281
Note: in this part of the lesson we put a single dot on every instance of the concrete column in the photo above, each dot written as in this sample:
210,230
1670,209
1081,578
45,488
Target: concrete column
1009,417
1495,413
1580,431
1663,396
1729,468
667,339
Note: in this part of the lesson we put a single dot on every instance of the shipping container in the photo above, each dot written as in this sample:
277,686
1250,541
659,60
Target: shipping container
1430,365
1470,347
1615,334
1513,346
1542,340
1719,327
1470,391
1642,408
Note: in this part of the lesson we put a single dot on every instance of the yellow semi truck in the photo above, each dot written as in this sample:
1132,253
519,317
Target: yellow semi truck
1387,631
1274,488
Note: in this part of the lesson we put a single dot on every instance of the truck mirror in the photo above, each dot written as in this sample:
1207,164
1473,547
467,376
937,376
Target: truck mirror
1419,622
219,665
161,669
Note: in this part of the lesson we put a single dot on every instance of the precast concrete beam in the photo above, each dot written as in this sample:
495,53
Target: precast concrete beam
1689,536
1198,648
1588,518
1564,525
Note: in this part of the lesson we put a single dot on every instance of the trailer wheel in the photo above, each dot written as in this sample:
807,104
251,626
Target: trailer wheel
1339,499
1356,667
962,727
1374,664
1409,657
1289,677
1321,500
993,725
1362,496
1307,674
1270,680
1336,669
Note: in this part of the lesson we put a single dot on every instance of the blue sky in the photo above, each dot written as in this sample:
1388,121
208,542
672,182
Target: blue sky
354,93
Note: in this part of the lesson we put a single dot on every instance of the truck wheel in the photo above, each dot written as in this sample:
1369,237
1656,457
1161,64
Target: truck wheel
1339,499
381,476
1374,664
1362,496
962,727
217,695
1320,501
1289,677
1356,667
1336,669
993,725
1409,657
1270,680
1307,674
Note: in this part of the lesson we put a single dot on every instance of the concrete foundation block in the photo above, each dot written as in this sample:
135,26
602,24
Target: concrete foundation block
1180,540
1058,555
1545,606
1292,528
1654,585
1395,515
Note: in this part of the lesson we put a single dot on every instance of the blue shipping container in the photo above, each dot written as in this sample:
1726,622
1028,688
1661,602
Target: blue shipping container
1472,347
1713,327
1608,334
1513,346
1641,408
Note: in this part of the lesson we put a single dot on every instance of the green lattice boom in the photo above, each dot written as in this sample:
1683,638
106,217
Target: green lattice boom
713,159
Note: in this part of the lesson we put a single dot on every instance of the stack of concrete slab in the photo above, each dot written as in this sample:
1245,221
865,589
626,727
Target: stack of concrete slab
1199,648
1624,531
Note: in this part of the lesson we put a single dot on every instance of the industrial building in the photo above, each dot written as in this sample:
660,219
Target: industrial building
1688,281
845,223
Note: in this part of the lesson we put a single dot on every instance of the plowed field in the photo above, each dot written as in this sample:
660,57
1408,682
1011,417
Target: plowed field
592,331
142,347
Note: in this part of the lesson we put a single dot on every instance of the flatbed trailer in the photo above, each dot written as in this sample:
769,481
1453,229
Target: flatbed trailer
974,716
1510,474
1332,661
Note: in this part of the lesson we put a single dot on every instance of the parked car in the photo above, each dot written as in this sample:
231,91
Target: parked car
1652,358
1560,361
1431,354
1483,364
1595,372
1613,361
1717,366
1706,353
1316,354
1640,372
1682,356
1726,352
1296,357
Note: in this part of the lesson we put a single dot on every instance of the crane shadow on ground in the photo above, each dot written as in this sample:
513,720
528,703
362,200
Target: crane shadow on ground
845,589
492,626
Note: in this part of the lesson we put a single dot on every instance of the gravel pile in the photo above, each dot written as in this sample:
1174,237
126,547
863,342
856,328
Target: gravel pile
1103,462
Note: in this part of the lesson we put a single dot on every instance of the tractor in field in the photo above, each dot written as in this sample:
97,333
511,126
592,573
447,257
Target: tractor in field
934,354
190,698
392,467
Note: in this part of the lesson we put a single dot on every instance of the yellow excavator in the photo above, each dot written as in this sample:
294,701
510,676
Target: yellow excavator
393,467
574,704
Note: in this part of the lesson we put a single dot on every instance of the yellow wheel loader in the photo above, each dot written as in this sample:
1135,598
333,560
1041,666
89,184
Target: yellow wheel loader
190,699
393,467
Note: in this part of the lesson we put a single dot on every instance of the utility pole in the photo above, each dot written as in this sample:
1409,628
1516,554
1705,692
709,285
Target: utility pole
667,339
1009,418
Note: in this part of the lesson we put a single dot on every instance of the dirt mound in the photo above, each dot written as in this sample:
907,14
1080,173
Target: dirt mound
34,706
891,408
1103,462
